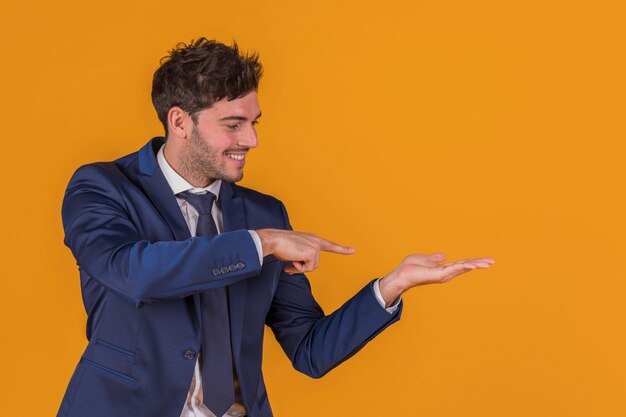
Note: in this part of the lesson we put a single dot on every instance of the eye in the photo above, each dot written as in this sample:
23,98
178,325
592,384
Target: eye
233,127
255,122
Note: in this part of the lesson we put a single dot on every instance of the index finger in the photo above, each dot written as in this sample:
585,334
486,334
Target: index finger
328,246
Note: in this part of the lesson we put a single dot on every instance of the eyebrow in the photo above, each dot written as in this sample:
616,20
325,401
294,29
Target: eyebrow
242,118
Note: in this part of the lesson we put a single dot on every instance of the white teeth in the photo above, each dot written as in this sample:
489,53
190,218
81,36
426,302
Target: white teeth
235,157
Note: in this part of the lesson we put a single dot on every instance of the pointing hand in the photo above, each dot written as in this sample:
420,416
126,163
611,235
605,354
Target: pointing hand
301,249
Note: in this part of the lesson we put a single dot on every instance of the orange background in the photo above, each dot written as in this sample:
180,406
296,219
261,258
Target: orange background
482,128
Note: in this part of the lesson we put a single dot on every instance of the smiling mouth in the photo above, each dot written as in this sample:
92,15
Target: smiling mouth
236,156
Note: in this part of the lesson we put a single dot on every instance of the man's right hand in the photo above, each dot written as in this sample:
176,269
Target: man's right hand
301,249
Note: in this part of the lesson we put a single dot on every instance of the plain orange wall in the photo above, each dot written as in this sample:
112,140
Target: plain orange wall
477,128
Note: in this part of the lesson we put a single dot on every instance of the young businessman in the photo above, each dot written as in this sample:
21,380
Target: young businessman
181,268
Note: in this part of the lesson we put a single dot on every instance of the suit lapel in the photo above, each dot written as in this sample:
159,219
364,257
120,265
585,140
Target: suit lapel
158,190
234,218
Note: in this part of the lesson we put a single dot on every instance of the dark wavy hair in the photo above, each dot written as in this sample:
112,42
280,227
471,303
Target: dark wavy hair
194,76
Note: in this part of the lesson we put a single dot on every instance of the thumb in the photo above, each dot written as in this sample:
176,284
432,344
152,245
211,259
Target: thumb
437,257
294,268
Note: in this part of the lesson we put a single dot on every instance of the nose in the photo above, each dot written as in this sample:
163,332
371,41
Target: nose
249,139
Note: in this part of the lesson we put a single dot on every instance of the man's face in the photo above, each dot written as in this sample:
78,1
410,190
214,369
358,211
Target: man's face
221,139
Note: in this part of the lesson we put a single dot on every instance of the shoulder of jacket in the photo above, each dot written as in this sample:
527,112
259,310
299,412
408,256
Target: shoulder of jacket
97,171
113,170
250,194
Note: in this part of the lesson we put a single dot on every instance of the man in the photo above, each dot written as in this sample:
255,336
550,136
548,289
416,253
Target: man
181,269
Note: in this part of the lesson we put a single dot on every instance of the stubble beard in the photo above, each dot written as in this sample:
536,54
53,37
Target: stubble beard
202,162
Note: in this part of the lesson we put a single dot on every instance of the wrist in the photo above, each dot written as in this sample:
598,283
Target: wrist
390,289
267,242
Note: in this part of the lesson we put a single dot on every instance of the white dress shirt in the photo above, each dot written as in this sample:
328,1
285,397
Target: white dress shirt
194,405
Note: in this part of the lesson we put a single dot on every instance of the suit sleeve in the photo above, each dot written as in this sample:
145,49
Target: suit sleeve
314,342
109,248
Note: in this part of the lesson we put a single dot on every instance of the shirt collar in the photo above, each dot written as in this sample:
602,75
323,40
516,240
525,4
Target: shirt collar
178,184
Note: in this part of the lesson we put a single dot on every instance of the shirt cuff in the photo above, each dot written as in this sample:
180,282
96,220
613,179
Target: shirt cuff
257,243
391,309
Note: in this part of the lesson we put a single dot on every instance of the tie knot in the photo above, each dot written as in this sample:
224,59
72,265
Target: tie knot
201,202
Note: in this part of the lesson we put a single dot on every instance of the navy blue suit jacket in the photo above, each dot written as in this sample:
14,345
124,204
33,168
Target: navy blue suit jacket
141,274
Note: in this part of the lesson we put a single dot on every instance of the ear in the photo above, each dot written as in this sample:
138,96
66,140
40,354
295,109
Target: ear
179,122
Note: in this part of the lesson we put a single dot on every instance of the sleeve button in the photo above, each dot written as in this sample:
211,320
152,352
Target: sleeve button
216,271
232,268
224,270
240,265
